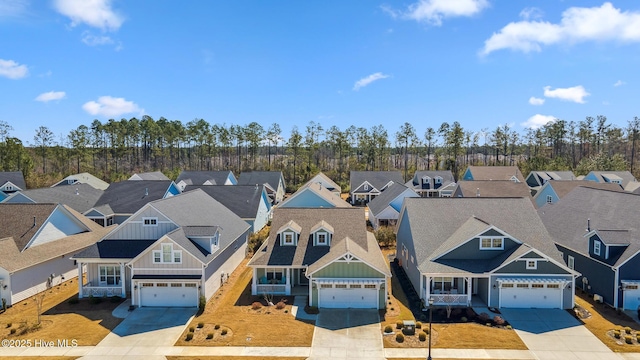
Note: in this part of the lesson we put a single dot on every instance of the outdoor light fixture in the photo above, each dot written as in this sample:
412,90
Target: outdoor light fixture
430,319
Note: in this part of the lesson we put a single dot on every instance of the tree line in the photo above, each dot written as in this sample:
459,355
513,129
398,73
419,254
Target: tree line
114,149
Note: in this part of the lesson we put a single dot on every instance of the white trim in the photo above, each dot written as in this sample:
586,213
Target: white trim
493,239
490,227
597,247
150,221
571,262
531,264
571,272
309,275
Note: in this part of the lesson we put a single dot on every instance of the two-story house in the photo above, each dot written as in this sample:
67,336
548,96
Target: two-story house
10,182
222,177
273,182
366,185
432,183
384,209
80,197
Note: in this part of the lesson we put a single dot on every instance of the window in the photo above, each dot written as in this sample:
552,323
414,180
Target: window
596,247
355,286
616,181
570,262
167,255
491,243
537,286
369,286
442,283
522,286
288,238
109,274
341,286
438,180
167,250
366,187
147,284
553,286
162,285
149,221
322,238
549,199
425,179
631,287
532,264
176,285
326,286
274,275
507,285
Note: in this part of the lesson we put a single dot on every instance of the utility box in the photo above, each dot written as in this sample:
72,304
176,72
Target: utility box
409,327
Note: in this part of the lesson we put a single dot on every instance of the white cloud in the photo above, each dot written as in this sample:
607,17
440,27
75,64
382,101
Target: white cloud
536,101
13,8
578,24
537,121
619,83
51,95
531,13
12,70
111,107
368,80
575,94
93,40
95,13
433,11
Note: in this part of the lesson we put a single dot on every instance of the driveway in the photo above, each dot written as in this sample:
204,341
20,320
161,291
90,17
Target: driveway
347,334
556,334
144,332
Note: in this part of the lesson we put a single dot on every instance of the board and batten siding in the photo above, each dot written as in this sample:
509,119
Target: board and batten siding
58,226
92,274
135,229
629,271
404,237
146,260
543,267
348,270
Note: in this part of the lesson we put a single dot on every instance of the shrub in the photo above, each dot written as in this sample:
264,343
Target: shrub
280,305
422,336
202,302
4,304
498,320
115,299
418,325
209,336
464,319
200,325
627,330
192,329
627,339
616,334
489,324
223,332
94,300
256,305
9,325
426,331
470,313
399,324
399,337
189,336
217,327
484,317
311,310
12,331
388,329
286,311
509,327
392,308
73,300
456,312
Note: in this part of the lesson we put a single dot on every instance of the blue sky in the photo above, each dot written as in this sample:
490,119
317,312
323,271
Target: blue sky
483,63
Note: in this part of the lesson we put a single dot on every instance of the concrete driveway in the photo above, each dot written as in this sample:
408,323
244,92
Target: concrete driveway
556,334
143,332
347,334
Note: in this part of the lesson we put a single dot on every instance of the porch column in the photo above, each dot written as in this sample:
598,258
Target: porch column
469,282
122,281
80,281
254,287
428,289
287,288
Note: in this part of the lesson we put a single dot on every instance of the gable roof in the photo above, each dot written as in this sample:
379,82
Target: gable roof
446,175
16,230
201,177
320,191
346,222
83,178
154,175
382,201
15,177
325,181
373,258
80,197
127,197
377,179
243,200
624,176
272,178
605,210
562,188
492,189
452,221
495,172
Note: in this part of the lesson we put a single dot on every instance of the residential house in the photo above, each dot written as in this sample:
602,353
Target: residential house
36,242
326,183
10,182
325,253
154,175
510,173
205,178
622,178
432,183
493,251
313,195
83,178
552,191
536,179
272,180
366,185
384,209
169,253
80,197
249,202
491,189
124,198
597,232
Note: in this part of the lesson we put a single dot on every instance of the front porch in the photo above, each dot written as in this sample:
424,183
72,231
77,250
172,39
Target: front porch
448,291
102,280
279,281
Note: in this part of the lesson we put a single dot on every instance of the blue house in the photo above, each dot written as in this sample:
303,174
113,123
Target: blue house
314,195
553,190
622,178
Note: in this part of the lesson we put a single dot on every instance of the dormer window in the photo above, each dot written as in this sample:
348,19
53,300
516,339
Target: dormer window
438,180
425,179
322,238
491,243
549,199
596,247
288,238
616,181
532,264
366,187
150,221
8,188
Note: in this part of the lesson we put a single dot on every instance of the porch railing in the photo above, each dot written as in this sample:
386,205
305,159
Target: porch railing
101,291
450,299
271,289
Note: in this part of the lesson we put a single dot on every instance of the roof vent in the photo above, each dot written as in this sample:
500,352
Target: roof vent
588,225
34,221
477,192
77,192
146,191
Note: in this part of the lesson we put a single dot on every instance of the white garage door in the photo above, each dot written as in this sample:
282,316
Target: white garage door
359,296
531,295
631,295
169,294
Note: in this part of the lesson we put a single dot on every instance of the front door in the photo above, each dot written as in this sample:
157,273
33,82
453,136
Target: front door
303,278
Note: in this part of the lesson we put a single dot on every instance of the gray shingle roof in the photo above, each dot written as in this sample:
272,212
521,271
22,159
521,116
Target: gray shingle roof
154,175
200,177
127,197
114,249
325,181
15,177
562,188
495,172
566,220
80,197
272,178
488,188
381,202
451,221
319,191
377,179
416,181
83,178
243,200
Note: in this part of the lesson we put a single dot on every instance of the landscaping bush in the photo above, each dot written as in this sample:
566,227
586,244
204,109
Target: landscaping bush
192,329
627,339
399,324
488,324
200,325
456,312
422,336
256,305
399,337
9,325
115,299
388,329
280,305
627,330
463,319
189,336
202,302
418,325
73,300
312,310
223,332
470,313
94,300
426,331
509,327
217,327
4,304
209,336
616,334
498,320
12,331
484,317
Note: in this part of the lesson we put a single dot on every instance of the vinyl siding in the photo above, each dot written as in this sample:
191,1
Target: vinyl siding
404,237
227,261
600,276
629,271
146,261
348,270
134,228
306,198
471,250
28,282
58,226
541,197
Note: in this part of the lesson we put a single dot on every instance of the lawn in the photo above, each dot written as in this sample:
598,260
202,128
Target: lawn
239,324
87,323
603,319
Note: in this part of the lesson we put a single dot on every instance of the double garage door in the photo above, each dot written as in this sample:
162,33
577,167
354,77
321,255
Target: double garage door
360,296
531,295
169,294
